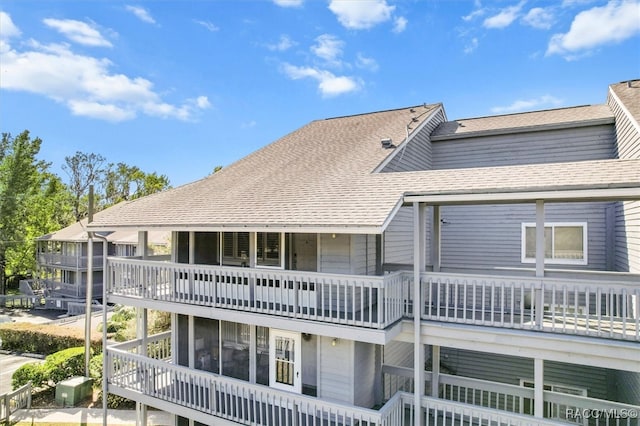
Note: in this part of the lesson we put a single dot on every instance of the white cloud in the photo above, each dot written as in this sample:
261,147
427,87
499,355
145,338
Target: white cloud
471,46
504,18
208,25
545,101
285,43
329,48
539,17
361,14
329,84
288,3
78,31
86,85
613,23
7,28
400,24
366,63
141,13
473,15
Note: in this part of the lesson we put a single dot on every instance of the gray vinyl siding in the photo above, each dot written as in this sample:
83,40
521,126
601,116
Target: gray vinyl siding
364,374
335,254
552,146
628,387
416,155
398,237
510,369
627,226
335,365
627,132
363,254
477,237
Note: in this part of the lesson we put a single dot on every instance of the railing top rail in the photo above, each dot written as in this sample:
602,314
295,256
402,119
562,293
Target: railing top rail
588,402
469,382
135,342
267,271
608,280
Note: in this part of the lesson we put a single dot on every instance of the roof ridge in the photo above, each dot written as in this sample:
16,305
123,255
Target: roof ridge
527,112
425,105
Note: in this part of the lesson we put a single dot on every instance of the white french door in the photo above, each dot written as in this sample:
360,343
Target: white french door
285,358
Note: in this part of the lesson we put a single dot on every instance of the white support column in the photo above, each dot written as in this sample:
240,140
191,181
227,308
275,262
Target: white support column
419,244
253,242
540,243
540,253
143,244
435,239
435,371
538,377
192,247
252,353
142,333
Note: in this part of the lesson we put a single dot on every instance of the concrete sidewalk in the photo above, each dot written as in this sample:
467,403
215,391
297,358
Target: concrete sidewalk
86,416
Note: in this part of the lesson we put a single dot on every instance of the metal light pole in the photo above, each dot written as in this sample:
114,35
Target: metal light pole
89,292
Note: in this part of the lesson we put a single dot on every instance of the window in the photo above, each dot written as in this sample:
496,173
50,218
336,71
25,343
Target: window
235,248
269,249
565,243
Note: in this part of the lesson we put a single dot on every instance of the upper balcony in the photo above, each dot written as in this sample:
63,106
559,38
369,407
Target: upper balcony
599,305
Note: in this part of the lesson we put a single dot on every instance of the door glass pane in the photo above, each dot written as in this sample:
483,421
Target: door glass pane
284,360
568,242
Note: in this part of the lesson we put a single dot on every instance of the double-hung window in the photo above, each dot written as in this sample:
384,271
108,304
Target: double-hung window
565,243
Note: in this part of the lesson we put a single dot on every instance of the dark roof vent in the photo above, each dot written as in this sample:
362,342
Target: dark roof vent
387,143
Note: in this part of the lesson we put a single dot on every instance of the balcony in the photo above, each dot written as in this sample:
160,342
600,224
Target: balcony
461,400
363,301
68,261
598,305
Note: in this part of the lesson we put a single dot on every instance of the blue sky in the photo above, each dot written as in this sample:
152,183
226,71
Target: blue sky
179,87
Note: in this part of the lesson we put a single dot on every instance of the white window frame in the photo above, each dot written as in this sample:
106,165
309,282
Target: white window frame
553,225
282,251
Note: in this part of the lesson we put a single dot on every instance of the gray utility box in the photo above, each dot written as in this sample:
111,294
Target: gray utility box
71,391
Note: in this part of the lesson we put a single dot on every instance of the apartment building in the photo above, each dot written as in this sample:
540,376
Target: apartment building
397,268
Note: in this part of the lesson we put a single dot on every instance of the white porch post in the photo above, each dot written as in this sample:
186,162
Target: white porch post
540,253
538,373
142,328
141,409
435,238
419,266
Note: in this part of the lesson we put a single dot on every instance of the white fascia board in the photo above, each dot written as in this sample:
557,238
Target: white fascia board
573,195
378,337
309,229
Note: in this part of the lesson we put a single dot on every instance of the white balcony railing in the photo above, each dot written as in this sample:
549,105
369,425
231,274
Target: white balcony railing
228,398
365,301
598,307
461,400
69,261
158,346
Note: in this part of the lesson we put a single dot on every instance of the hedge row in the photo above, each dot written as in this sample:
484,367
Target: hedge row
44,339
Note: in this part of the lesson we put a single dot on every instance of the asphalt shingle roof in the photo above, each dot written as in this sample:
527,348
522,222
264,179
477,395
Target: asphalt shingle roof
321,176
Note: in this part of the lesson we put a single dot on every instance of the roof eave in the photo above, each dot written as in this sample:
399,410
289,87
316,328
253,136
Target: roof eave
526,129
569,194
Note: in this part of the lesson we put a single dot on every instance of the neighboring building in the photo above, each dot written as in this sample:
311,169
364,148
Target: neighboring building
62,259
293,275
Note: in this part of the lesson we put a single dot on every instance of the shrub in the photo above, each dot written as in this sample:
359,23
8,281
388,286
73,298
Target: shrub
32,371
57,367
64,364
43,339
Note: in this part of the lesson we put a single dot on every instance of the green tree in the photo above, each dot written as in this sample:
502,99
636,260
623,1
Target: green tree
20,178
123,182
84,170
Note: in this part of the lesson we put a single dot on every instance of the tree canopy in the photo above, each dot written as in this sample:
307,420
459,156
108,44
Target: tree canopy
34,201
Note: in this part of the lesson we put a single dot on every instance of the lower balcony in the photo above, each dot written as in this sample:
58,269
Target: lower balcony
204,396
